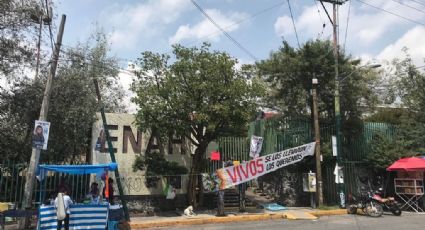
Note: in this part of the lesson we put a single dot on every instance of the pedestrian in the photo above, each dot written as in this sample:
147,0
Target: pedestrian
110,191
67,201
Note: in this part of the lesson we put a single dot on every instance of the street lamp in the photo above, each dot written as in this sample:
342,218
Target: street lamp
340,183
373,66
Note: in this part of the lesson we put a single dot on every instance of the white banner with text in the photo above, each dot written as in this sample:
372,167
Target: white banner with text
234,175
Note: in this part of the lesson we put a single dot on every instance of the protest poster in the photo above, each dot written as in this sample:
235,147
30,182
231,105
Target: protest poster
309,182
234,175
255,146
40,135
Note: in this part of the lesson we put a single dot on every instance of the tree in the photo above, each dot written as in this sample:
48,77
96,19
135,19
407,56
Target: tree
406,83
409,85
73,105
289,73
200,96
17,22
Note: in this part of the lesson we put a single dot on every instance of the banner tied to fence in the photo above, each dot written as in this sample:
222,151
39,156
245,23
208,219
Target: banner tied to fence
234,175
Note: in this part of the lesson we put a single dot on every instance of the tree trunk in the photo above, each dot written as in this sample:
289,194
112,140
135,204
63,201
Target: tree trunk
195,170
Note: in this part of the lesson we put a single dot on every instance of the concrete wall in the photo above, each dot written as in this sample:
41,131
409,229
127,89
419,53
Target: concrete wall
129,143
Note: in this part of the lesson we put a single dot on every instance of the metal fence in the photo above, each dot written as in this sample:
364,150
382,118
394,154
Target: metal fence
12,183
278,135
283,134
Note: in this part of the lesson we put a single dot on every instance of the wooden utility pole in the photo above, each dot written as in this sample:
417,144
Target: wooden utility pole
35,155
319,182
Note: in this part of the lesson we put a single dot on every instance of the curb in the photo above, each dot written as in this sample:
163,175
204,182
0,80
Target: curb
328,212
209,220
227,219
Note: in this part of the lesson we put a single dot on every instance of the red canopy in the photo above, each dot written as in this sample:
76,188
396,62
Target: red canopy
408,164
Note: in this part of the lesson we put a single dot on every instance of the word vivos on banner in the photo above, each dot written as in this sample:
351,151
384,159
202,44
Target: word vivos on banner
234,175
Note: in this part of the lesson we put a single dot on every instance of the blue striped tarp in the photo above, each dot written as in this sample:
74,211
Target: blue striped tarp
81,217
88,216
47,218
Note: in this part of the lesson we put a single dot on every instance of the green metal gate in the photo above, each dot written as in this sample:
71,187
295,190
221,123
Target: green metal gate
283,134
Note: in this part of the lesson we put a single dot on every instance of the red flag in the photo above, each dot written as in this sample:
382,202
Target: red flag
215,155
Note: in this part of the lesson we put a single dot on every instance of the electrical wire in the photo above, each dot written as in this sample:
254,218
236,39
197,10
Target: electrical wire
392,13
348,20
293,23
231,25
256,14
50,27
321,19
408,6
418,2
223,31
327,13
337,25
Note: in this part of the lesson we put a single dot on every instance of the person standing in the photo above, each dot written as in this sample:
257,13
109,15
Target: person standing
66,202
110,191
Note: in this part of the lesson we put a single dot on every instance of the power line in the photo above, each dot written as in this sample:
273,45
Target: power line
418,2
408,6
224,32
293,23
231,25
389,12
321,19
327,13
346,26
50,27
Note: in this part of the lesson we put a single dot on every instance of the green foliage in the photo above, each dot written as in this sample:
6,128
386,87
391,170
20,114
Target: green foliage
410,85
384,151
408,140
289,73
16,26
200,95
19,107
387,115
156,165
72,109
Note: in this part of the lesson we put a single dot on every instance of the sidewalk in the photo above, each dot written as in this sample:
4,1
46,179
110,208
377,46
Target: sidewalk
209,218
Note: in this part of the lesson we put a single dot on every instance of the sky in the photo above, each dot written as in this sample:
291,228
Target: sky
377,29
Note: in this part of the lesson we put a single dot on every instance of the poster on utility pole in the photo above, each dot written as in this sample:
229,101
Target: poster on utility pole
40,135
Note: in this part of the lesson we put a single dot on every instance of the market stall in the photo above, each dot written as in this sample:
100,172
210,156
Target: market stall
88,215
409,184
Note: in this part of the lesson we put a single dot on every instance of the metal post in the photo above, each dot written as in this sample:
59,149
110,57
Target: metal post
337,103
319,190
35,155
111,150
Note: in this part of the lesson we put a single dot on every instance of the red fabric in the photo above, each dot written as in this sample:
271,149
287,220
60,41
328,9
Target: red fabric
107,186
408,164
215,156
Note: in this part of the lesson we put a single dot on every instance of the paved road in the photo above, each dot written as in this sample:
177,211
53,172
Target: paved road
407,221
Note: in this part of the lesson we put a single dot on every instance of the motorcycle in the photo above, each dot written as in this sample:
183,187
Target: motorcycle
388,203
366,203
